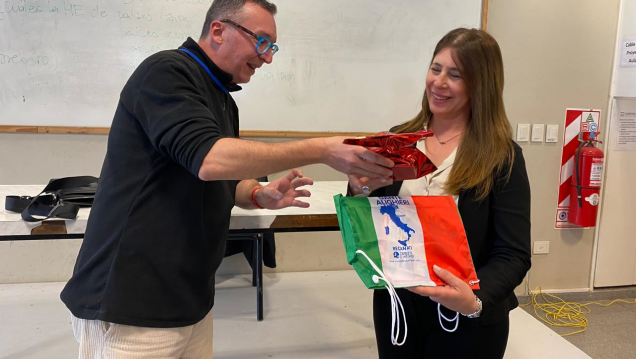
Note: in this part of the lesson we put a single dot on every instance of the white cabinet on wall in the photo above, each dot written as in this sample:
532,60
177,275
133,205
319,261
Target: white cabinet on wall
616,239
616,251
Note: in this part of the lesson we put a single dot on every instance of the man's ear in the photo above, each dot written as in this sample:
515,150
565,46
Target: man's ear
216,31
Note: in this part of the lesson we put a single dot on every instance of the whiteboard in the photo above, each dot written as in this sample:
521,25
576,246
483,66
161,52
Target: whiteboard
343,65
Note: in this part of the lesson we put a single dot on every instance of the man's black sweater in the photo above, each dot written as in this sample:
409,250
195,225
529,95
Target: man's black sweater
156,233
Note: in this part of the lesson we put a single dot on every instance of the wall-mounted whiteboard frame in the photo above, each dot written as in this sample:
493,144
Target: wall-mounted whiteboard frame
370,85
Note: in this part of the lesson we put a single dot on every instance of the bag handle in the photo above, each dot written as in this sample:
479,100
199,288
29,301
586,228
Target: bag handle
396,303
47,203
396,306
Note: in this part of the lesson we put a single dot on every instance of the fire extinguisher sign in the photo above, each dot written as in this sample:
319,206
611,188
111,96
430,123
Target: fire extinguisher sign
576,121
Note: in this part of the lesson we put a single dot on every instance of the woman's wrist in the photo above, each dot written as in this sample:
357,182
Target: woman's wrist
478,307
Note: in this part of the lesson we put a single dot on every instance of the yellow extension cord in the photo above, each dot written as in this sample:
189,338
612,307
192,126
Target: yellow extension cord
560,313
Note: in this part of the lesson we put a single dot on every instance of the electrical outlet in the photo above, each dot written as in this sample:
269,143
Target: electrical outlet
541,247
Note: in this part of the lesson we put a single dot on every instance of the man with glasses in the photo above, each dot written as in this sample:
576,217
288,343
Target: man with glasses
143,283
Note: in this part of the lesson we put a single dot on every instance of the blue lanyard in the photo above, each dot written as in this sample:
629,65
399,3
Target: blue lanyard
206,69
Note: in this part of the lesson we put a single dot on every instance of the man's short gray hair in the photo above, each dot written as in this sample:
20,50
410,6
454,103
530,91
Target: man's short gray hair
233,10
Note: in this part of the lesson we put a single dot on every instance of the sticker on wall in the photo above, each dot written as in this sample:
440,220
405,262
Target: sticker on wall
576,121
628,52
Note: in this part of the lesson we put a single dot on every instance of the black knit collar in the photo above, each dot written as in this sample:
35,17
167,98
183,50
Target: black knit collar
224,77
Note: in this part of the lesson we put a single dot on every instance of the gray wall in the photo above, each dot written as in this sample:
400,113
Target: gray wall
557,55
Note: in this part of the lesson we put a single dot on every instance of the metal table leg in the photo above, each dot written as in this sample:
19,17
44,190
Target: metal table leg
258,273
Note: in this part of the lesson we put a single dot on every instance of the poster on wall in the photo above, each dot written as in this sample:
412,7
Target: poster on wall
625,131
576,121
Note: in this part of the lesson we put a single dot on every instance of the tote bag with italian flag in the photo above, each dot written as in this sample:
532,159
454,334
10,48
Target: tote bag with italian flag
393,242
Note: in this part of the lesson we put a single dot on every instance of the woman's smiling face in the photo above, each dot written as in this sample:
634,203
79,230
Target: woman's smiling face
445,87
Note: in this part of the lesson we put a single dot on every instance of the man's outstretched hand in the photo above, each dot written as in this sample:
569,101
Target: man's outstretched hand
283,192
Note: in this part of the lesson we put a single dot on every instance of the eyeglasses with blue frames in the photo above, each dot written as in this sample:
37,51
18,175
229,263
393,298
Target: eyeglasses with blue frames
263,44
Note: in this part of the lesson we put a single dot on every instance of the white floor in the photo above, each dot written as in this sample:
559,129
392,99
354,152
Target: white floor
308,315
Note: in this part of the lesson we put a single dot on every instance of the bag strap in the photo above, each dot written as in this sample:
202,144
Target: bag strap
47,204
396,303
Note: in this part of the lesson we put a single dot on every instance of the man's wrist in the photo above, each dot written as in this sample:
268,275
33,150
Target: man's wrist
254,201
311,150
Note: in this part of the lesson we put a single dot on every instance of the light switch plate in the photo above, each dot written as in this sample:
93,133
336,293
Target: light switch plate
523,132
541,247
537,132
552,134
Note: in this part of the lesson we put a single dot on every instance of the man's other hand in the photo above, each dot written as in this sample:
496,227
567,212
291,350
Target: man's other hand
284,191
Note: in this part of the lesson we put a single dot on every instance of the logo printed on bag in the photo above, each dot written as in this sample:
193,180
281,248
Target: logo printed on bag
390,210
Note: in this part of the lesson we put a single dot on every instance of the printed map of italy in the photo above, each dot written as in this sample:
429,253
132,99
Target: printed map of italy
391,211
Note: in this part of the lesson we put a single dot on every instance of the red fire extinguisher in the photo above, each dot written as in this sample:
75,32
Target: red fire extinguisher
586,182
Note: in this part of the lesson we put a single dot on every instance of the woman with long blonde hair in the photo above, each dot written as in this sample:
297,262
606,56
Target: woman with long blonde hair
478,164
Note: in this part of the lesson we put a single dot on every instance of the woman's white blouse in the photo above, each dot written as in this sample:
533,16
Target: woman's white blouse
433,183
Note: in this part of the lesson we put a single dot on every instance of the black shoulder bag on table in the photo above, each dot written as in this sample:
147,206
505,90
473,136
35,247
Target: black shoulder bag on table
61,198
